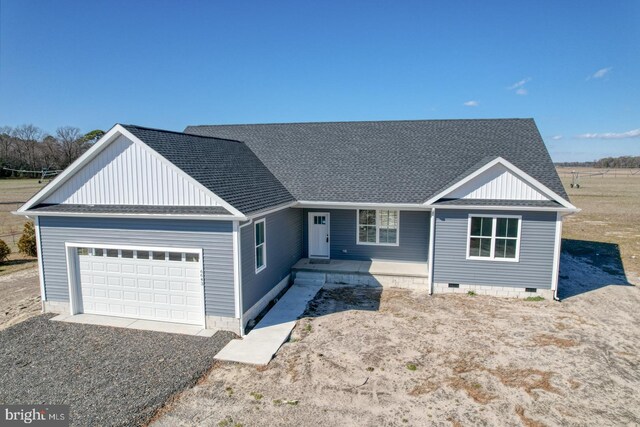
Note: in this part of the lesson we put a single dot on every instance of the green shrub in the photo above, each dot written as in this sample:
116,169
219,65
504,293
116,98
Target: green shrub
27,242
5,250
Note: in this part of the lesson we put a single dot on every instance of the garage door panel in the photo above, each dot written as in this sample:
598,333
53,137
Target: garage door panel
155,289
143,269
128,268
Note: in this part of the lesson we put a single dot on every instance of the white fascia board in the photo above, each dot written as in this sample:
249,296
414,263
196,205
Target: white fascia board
107,138
360,205
506,208
132,215
271,210
517,171
182,173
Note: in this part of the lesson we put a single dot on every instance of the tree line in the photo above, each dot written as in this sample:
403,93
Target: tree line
29,148
622,162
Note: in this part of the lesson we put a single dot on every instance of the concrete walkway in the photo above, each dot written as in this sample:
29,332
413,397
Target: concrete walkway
130,323
259,345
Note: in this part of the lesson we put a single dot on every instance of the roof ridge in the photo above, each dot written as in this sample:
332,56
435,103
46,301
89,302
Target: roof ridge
363,121
180,133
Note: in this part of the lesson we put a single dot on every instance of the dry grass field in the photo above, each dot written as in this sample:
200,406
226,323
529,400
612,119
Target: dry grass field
610,206
13,193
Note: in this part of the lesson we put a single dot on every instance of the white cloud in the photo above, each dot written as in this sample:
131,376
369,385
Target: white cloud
522,91
635,133
556,137
600,73
520,83
471,103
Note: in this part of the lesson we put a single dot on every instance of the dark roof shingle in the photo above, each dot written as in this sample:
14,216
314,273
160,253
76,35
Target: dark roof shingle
388,161
226,167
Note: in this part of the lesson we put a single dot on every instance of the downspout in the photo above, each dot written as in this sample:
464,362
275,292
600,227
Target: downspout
238,239
556,256
432,239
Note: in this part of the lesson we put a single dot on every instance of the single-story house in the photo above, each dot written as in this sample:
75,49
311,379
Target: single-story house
204,226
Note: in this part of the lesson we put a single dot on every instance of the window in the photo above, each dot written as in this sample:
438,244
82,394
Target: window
98,252
494,237
191,257
378,227
126,253
261,247
175,256
161,256
113,253
83,251
142,254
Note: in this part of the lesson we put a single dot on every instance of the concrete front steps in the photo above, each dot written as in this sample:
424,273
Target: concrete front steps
367,273
310,278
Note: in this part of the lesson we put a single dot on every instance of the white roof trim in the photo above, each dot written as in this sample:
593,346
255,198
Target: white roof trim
353,205
517,171
96,149
506,208
131,215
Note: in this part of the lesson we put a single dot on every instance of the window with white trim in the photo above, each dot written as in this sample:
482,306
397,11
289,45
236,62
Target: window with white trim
261,246
494,237
378,227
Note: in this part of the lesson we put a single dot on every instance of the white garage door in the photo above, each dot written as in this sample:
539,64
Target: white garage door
142,283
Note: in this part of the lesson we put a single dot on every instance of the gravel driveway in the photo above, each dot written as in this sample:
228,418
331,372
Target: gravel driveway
109,376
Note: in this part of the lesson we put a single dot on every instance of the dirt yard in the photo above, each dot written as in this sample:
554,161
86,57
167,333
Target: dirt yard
13,193
20,297
366,357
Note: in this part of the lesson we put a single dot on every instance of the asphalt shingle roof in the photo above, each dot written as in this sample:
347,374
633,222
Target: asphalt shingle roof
388,161
132,209
226,167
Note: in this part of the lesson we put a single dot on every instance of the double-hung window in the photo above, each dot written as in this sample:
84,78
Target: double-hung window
378,227
260,245
494,237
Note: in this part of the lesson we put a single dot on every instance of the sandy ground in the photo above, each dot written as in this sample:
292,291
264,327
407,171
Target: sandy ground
367,357
19,297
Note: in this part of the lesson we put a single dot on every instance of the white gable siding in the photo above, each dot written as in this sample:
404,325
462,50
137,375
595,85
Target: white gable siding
497,183
125,173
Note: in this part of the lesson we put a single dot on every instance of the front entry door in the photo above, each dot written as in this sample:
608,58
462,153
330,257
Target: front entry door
318,235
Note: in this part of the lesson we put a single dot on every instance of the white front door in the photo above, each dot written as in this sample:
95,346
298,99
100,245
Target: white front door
142,283
318,235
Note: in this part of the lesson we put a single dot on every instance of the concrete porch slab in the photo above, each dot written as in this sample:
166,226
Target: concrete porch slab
140,324
259,345
386,268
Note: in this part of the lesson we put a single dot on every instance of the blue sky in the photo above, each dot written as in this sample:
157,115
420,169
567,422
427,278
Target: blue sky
573,66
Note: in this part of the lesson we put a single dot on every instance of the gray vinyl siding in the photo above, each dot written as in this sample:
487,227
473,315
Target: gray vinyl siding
283,238
535,266
214,237
414,237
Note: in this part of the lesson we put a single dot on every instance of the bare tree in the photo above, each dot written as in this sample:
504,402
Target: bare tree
27,145
72,144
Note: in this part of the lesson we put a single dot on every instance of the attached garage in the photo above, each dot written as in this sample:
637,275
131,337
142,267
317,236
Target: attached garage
137,282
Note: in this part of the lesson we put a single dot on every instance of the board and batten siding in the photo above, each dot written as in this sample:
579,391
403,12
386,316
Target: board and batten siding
343,224
533,270
283,231
497,183
214,237
128,173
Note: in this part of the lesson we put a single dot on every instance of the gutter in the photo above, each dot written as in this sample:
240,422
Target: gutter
30,214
